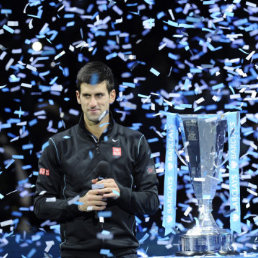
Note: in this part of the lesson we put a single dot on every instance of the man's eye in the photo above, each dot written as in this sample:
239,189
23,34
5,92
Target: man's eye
99,95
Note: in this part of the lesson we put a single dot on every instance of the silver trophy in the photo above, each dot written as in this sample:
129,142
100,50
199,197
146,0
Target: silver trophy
203,138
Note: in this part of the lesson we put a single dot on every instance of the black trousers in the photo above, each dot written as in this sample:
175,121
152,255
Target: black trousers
124,256
101,256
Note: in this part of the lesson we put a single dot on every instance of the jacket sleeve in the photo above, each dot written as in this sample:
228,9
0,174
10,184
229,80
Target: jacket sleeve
49,202
143,198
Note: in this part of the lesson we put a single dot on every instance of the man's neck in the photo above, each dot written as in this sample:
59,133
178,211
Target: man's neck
96,128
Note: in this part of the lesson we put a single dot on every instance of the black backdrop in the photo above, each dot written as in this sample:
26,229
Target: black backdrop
193,46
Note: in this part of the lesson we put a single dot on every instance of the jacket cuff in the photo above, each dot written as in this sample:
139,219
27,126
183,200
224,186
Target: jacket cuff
124,200
73,211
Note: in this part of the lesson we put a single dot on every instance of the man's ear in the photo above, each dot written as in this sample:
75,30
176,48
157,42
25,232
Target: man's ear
112,96
78,97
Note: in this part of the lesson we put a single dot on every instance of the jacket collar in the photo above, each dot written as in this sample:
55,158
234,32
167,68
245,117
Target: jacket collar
108,130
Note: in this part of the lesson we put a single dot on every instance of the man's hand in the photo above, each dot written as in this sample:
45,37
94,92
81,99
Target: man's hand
92,200
110,190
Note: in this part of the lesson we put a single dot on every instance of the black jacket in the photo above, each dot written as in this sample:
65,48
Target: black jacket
66,168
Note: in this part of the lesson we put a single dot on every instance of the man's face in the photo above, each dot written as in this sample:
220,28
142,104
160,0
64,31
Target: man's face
94,100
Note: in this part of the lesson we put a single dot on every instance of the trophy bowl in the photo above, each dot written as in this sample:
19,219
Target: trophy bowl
203,138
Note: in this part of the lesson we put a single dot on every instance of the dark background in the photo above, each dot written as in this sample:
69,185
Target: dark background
219,37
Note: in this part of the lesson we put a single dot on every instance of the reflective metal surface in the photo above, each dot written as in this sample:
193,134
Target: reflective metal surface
204,137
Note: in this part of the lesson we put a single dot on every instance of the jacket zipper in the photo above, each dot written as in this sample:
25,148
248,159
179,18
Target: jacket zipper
101,225
97,143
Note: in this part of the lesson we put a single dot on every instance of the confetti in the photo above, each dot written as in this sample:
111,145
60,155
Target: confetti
49,244
51,199
144,238
6,223
138,40
187,211
7,28
105,251
199,179
104,235
154,71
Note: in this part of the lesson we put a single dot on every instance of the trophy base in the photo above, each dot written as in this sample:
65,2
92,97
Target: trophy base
206,244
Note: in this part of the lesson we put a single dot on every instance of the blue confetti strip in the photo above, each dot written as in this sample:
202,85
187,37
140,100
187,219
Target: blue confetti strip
154,71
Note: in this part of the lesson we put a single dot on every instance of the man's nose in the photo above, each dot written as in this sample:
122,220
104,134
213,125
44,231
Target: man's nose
93,102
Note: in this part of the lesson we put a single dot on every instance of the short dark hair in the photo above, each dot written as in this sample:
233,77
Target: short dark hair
95,72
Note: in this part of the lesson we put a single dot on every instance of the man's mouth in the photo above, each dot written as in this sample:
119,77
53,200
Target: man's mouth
93,110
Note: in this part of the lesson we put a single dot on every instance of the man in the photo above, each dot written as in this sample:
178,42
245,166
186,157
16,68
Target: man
70,189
